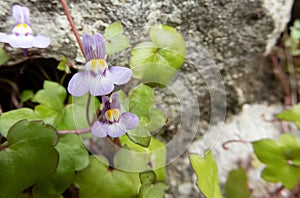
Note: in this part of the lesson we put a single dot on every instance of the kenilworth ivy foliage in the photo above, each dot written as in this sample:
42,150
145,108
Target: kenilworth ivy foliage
53,150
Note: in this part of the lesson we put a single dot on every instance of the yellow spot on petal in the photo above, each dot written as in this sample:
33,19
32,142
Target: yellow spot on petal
94,64
22,25
112,115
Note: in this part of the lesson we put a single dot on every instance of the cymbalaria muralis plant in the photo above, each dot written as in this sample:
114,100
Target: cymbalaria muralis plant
79,138
95,136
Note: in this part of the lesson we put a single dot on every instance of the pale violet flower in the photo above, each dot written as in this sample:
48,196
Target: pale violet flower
96,77
21,36
111,121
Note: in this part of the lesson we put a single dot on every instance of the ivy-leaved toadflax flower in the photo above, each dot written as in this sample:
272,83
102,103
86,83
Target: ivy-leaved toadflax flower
111,121
22,36
96,77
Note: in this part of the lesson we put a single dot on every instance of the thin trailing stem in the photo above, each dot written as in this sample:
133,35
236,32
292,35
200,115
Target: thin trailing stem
79,131
75,32
224,145
87,111
283,80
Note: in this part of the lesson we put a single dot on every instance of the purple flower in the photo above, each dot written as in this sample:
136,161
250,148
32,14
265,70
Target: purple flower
22,36
111,121
96,77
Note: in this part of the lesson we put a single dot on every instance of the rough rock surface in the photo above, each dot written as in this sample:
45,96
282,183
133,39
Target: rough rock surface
227,37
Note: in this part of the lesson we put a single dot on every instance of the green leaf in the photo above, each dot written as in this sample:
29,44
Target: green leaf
147,177
3,56
114,39
74,115
141,109
27,95
140,135
154,190
28,156
53,95
150,187
7,119
63,65
158,61
237,185
268,151
48,115
73,157
207,173
292,114
150,119
98,178
152,157
283,155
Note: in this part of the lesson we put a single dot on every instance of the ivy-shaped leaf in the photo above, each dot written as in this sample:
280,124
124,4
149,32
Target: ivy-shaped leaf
156,62
292,115
207,173
27,157
63,65
99,180
150,186
141,104
115,41
237,184
283,155
152,157
27,95
7,119
73,157
52,95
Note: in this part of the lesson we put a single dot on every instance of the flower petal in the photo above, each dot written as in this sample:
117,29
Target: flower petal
115,101
21,41
87,44
5,38
99,129
130,120
119,75
99,42
21,14
101,86
41,41
116,129
79,84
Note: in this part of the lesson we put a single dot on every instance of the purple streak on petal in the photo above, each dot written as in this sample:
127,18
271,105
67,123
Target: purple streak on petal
101,86
87,43
100,46
79,84
99,129
119,75
21,41
106,104
116,129
115,102
21,14
130,120
41,41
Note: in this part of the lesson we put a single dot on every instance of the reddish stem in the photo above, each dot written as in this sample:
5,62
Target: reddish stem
282,78
224,145
75,32
79,131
